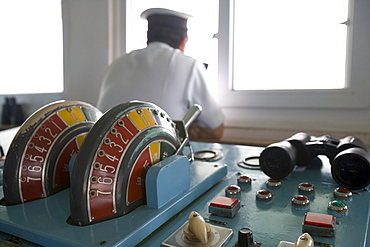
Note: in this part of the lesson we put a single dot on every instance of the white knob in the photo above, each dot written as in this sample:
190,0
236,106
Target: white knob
305,240
198,227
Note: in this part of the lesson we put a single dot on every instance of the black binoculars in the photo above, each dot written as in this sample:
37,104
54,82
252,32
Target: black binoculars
349,158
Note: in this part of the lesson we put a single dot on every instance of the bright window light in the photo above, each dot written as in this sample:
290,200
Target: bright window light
289,44
201,30
31,47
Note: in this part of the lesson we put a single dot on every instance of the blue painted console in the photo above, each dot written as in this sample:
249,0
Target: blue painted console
44,221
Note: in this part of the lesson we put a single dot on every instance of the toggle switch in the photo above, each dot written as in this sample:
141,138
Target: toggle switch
304,240
197,230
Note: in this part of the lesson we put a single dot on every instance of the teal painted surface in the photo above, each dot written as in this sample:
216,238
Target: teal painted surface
167,179
270,222
44,221
276,221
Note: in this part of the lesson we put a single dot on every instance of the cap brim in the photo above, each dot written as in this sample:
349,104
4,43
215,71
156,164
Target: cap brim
161,11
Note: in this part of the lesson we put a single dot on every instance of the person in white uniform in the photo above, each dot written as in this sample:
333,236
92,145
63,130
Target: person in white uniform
163,75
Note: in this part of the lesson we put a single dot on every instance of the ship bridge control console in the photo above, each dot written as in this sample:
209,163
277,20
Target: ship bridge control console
219,198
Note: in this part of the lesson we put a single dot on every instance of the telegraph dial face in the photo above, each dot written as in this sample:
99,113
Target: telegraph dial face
36,164
108,178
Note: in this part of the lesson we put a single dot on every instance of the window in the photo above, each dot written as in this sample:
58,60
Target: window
289,44
354,95
31,46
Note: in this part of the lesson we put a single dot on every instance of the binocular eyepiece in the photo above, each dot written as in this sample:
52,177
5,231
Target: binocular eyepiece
349,158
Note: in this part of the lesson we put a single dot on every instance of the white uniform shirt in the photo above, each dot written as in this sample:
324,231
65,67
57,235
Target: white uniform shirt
164,76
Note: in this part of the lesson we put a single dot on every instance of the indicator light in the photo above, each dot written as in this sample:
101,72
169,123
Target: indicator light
342,193
263,196
232,191
301,202
337,208
244,180
306,189
273,183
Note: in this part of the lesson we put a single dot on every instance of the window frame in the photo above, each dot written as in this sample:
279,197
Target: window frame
346,110
354,96
39,82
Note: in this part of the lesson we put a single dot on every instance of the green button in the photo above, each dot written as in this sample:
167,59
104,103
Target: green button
338,204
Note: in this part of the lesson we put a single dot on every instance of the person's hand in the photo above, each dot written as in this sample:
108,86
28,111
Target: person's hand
195,132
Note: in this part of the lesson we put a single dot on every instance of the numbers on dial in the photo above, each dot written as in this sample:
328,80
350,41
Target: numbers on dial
40,149
112,144
32,168
106,168
43,139
101,153
38,160
48,131
29,179
51,120
94,193
121,123
115,132
128,140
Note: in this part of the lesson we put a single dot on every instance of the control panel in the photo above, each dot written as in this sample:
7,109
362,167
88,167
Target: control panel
278,211
137,181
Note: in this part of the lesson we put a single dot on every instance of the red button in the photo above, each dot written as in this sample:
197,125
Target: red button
300,198
320,220
224,202
233,188
342,190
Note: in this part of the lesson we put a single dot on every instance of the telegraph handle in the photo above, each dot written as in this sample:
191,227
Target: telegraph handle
191,115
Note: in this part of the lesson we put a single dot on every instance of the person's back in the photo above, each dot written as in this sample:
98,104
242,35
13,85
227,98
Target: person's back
163,75
157,73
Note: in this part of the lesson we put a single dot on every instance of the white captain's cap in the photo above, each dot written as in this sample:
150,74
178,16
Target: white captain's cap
162,11
165,17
